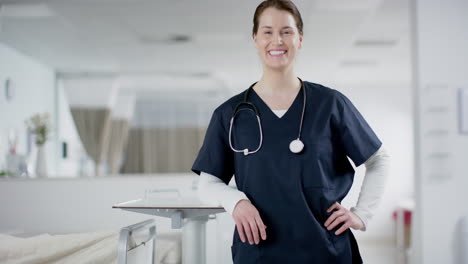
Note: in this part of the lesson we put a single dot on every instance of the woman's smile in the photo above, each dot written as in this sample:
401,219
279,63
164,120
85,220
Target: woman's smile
277,52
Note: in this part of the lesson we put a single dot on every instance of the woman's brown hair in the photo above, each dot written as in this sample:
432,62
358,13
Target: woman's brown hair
285,5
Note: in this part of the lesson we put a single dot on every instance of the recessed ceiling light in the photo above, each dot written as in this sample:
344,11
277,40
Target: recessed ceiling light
171,39
40,10
375,43
179,38
358,63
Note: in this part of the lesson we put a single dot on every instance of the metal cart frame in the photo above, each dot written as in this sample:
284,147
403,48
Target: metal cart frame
125,239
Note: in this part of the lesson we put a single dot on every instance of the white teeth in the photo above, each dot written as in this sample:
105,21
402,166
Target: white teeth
277,52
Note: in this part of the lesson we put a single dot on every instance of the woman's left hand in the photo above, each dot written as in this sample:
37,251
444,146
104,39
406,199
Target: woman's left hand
342,215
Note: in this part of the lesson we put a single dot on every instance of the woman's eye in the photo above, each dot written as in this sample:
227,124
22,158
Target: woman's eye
286,32
267,32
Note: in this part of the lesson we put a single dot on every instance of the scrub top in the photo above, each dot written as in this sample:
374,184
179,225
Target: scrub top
291,191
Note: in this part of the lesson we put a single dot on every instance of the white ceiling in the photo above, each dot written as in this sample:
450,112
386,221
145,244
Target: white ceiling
347,41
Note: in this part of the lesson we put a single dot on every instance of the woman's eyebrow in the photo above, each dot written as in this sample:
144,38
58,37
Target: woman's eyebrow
271,27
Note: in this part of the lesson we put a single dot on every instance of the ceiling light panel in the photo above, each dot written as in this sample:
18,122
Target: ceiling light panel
372,43
358,63
25,11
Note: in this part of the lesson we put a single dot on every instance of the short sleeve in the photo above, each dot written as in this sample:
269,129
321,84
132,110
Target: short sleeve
215,156
356,136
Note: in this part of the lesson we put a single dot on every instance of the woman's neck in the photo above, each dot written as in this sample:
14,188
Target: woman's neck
278,82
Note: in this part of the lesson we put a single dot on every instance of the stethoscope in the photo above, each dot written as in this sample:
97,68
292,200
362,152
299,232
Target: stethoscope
296,146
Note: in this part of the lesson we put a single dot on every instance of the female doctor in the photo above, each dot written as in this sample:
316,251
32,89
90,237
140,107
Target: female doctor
287,141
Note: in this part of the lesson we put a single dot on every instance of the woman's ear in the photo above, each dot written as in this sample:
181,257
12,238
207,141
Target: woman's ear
300,41
254,37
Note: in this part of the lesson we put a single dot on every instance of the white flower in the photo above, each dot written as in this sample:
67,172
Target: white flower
39,125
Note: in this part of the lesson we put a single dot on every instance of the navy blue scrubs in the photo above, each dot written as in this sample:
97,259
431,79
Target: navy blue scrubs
291,191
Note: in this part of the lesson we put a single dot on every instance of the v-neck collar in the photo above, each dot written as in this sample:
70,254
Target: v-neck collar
295,103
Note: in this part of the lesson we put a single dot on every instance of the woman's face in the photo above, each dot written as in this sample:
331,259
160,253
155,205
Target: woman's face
277,39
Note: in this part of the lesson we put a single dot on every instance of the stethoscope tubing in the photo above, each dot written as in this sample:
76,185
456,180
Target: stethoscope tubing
246,151
250,104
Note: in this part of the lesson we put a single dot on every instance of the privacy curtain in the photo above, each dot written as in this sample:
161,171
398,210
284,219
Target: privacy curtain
93,125
117,142
162,150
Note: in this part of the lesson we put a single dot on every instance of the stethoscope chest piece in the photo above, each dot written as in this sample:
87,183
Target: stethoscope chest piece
296,146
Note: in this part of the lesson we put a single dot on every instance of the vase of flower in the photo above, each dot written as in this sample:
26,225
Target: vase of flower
39,126
41,164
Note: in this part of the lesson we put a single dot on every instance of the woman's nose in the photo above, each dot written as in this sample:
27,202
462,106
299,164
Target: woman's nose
278,39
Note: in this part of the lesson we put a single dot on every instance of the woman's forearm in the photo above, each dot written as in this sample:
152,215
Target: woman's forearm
373,186
214,191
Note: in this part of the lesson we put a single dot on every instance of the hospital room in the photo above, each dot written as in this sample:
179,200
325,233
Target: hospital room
233,132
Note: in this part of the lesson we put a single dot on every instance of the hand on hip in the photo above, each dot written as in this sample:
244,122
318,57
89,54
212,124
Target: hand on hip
342,215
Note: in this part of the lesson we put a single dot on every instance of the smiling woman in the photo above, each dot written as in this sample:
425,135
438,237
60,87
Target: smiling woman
278,34
294,191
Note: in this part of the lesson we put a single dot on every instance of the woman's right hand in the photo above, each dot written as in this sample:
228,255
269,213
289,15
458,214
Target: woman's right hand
248,220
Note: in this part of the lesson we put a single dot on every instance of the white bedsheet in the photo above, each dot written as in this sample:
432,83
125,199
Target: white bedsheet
95,247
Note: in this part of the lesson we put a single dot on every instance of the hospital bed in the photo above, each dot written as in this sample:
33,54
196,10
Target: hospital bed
131,244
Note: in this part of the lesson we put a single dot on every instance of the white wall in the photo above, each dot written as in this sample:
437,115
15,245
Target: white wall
33,93
78,205
441,66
